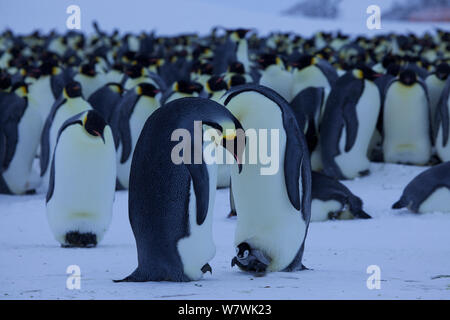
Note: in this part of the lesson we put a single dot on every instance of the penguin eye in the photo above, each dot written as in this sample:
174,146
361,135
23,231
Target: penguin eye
237,250
245,255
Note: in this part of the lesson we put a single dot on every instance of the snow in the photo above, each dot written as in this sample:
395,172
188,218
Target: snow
410,250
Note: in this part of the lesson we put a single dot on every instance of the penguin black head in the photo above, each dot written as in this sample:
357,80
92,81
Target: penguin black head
243,250
304,61
116,87
236,80
188,87
135,71
216,83
268,59
393,69
147,89
20,88
206,68
236,67
94,124
73,89
408,77
5,81
34,73
364,72
88,69
442,71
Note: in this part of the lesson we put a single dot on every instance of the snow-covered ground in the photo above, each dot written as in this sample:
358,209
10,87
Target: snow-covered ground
411,251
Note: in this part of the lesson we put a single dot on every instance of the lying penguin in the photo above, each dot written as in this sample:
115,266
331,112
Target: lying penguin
428,192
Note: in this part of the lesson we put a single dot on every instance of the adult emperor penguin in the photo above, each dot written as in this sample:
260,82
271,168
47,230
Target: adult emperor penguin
20,127
275,75
442,119
171,202
435,83
332,200
428,192
348,123
82,181
182,89
132,112
70,103
216,87
90,79
406,123
273,206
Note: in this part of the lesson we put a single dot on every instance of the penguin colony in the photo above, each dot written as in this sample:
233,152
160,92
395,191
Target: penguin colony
97,113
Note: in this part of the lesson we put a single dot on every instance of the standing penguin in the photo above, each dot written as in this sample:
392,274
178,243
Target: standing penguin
348,123
90,79
182,89
275,75
20,127
332,200
131,114
273,208
171,205
435,83
428,192
406,123
82,181
442,119
70,103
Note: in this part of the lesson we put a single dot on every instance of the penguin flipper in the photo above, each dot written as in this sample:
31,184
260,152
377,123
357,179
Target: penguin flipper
200,180
125,108
351,124
361,214
11,132
125,138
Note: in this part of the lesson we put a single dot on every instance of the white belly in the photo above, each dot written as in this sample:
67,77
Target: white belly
435,87
144,108
406,125
367,109
198,248
320,209
18,173
308,77
438,201
85,169
279,80
90,84
40,95
443,151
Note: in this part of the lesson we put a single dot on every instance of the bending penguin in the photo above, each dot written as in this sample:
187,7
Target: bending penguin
83,167
332,200
171,202
428,192
348,123
273,206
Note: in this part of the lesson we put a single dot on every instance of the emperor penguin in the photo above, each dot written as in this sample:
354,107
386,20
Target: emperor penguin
132,112
216,87
332,200
82,181
428,192
348,123
70,103
242,55
273,204
310,71
406,120
90,79
171,200
20,127
435,83
182,89
442,119
275,75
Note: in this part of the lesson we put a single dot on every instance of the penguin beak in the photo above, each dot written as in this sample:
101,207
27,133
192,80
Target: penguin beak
98,134
232,143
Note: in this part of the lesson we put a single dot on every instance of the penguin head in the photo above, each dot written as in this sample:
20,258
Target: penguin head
442,71
407,77
236,67
304,61
88,69
94,124
135,71
236,80
188,87
393,69
72,90
147,89
364,72
216,83
20,89
115,87
269,59
243,250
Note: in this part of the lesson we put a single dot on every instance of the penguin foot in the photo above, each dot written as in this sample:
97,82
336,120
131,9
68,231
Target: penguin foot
30,192
206,268
253,266
364,173
232,213
74,239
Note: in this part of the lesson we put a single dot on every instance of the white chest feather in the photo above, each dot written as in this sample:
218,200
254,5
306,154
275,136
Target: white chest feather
438,201
85,169
266,218
320,209
277,79
435,87
90,84
40,94
406,108
367,110
308,77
